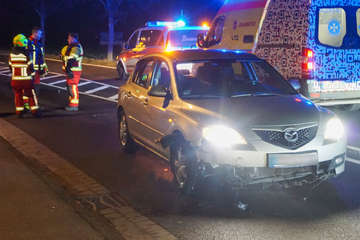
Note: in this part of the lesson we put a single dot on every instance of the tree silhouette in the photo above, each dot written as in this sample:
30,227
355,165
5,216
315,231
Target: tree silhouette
43,9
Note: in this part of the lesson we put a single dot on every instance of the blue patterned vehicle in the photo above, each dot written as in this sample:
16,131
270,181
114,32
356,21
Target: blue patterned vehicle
316,42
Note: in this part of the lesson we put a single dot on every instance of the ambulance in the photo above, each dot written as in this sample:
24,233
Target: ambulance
316,42
156,36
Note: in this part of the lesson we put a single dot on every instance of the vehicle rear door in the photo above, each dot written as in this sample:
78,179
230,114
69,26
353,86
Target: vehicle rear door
136,103
337,50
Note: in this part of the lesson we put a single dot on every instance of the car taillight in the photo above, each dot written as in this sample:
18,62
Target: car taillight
307,66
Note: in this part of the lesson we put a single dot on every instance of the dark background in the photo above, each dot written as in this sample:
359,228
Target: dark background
88,19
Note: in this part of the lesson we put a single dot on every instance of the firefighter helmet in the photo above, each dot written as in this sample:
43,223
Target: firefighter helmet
20,41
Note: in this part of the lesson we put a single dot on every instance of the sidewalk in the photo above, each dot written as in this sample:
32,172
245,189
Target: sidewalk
30,209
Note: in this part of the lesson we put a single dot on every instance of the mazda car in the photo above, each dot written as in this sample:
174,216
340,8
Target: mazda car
230,114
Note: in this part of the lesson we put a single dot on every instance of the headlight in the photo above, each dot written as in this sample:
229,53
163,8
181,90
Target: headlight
222,136
334,129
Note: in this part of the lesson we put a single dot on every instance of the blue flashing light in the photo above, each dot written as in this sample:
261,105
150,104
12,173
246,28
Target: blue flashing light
179,23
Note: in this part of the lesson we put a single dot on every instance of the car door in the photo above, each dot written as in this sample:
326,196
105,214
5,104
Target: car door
136,101
130,54
160,119
146,43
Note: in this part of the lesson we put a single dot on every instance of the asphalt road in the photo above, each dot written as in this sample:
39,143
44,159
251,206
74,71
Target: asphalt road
89,140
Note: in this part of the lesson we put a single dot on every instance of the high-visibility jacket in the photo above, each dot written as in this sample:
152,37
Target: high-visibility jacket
21,65
37,54
72,56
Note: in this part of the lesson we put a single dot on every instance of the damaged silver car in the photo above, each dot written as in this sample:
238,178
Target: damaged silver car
228,114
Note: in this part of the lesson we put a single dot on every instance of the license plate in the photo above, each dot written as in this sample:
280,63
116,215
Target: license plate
286,160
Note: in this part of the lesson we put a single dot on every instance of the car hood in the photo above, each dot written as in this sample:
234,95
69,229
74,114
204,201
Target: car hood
245,113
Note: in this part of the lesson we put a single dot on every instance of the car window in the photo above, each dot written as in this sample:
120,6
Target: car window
161,75
224,78
149,37
160,41
183,38
133,40
142,73
332,26
216,31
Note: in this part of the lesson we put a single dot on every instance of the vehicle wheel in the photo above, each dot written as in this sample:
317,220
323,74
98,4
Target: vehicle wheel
127,143
121,71
184,167
350,107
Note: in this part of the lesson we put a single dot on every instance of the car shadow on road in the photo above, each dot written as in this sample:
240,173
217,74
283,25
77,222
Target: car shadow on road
294,204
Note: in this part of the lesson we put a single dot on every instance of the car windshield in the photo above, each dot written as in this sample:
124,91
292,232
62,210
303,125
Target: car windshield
226,78
183,38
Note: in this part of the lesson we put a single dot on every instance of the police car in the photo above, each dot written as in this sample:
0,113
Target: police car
156,37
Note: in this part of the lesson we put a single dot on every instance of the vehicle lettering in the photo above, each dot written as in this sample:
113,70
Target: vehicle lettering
247,24
234,25
235,37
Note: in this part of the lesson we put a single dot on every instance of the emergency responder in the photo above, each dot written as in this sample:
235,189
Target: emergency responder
72,56
22,76
37,54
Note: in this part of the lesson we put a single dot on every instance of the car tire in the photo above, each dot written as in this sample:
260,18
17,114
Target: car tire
126,141
350,107
184,167
121,71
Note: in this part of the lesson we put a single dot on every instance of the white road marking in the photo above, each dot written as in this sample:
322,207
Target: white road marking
354,148
353,160
96,89
83,83
115,97
53,76
56,82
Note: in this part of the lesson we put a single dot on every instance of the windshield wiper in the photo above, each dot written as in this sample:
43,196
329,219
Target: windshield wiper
268,94
242,95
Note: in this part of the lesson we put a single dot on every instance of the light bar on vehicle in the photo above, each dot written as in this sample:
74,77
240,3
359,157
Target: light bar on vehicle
179,23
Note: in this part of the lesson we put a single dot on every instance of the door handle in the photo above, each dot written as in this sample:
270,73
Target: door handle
145,102
128,94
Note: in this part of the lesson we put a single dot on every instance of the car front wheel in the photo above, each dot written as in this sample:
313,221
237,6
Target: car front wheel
184,167
127,143
121,71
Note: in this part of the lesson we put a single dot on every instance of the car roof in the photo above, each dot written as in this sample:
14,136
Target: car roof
203,54
162,28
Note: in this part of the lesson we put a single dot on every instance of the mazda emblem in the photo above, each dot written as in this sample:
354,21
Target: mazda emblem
291,134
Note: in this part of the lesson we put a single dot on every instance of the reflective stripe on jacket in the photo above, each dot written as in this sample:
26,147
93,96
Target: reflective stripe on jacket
37,54
21,66
76,53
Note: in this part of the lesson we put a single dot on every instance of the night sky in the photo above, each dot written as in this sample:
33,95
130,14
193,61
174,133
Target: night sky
88,18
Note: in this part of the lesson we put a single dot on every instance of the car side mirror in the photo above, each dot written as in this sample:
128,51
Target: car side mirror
200,41
158,91
295,83
124,45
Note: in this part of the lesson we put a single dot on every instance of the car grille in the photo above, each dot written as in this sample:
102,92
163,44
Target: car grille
277,138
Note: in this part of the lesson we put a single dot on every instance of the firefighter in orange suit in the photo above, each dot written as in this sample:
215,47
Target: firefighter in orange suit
22,76
72,56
